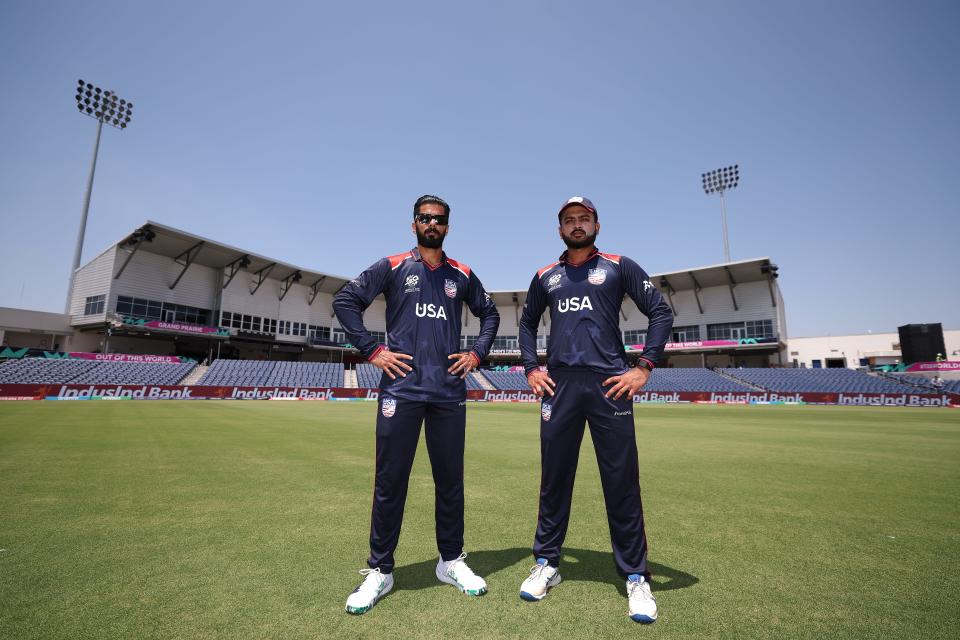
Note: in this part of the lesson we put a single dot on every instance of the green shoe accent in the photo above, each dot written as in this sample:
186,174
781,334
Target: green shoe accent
357,610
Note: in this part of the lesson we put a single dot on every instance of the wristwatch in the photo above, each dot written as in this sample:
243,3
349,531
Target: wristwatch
643,363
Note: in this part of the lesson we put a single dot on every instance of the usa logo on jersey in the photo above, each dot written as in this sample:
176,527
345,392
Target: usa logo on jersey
596,276
389,407
546,411
450,288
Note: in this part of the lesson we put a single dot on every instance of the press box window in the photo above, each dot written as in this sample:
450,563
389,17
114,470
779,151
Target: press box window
94,305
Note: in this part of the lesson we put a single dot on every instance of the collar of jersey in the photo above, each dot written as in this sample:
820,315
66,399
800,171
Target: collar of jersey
563,258
415,252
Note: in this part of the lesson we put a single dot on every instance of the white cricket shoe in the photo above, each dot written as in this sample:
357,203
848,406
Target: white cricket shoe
542,577
457,573
643,607
374,586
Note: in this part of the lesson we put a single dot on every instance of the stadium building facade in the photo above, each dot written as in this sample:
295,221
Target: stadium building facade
166,291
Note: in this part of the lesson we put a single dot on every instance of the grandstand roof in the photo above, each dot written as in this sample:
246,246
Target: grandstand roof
168,241
176,243
716,275
751,270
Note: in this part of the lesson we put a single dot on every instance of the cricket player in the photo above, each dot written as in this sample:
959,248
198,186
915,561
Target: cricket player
588,379
423,382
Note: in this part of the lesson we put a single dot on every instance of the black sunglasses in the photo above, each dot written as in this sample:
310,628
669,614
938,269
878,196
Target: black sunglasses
425,218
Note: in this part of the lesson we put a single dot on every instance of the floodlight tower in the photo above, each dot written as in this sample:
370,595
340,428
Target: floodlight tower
104,107
718,181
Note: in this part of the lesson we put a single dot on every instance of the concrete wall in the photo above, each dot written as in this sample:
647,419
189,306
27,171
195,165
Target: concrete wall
852,348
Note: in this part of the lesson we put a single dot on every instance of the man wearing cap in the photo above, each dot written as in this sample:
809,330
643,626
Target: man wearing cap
423,382
588,379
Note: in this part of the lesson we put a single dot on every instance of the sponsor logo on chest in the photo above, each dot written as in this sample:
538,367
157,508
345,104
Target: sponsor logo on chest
574,304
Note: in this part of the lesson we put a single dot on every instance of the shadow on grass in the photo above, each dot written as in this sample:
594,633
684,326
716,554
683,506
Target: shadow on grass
576,564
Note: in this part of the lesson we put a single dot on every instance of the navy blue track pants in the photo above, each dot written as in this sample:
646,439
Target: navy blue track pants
398,431
578,398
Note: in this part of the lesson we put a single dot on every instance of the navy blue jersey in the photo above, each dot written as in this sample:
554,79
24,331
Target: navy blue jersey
424,307
585,301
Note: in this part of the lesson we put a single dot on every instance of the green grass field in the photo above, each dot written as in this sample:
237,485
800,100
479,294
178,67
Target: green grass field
249,520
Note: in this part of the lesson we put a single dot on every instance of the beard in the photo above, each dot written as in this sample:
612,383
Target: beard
579,243
434,241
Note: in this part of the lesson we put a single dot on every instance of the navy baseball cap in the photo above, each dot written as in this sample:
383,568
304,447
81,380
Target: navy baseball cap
581,201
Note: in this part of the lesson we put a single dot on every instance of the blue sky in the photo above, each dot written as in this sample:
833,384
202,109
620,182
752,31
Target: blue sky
304,131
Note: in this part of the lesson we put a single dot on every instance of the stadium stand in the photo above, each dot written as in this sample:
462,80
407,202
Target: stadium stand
262,373
368,376
250,373
45,371
661,380
507,380
924,384
307,374
472,384
240,373
691,379
818,380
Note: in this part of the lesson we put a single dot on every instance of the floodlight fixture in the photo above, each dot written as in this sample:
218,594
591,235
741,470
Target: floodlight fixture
105,106
719,181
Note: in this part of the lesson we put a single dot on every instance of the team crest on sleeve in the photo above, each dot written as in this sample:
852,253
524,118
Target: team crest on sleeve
450,288
597,276
546,410
389,407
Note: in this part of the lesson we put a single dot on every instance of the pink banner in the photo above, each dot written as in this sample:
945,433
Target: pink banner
165,392
198,392
125,357
179,326
946,365
707,344
754,397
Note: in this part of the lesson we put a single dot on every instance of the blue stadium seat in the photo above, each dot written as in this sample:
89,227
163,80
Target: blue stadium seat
262,373
819,380
46,371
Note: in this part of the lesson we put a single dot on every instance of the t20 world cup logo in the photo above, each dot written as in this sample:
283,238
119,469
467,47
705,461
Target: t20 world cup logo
388,408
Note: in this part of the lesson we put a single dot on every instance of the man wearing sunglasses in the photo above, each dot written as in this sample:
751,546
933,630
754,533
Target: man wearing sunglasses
590,380
423,381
